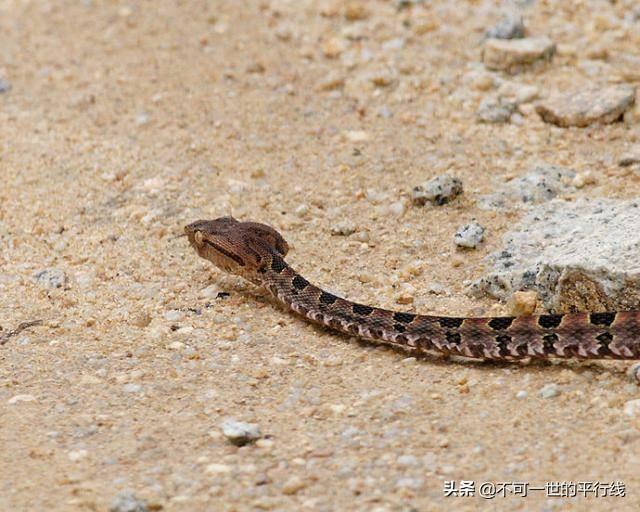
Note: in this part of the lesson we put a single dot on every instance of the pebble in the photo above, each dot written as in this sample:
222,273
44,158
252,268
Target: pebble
469,235
632,407
240,433
76,455
630,158
397,208
440,190
550,390
521,394
510,26
127,501
132,388
513,54
517,93
586,107
218,469
4,86
523,303
51,278
293,485
21,398
356,135
407,460
343,228
495,110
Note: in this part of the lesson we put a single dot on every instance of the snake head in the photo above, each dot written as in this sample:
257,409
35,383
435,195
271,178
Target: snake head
241,248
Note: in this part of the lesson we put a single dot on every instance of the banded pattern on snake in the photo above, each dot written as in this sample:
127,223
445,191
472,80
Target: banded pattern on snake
256,252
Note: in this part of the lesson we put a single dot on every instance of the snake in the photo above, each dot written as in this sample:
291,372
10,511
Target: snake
256,252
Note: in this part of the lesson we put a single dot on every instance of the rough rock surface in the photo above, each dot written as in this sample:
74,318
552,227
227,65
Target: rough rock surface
587,107
541,184
512,54
509,27
577,256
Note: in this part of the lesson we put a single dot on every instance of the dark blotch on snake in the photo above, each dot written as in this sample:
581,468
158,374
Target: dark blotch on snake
361,309
548,340
450,323
399,327
549,321
453,337
327,298
604,319
605,338
300,283
500,323
278,264
405,318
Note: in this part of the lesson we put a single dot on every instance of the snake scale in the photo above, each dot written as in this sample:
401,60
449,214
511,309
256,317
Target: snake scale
256,252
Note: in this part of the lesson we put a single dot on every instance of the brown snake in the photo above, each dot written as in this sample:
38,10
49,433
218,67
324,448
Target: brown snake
256,252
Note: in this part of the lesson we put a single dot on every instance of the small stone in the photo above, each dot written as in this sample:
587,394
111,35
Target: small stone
344,228
331,82
173,315
132,388
355,11
582,108
141,320
356,135
550,390
495,110
469,235
4,86
76,455
630,158
523,303
521,394
21,398
440,190
582,179
513,54
397,208
127,501
509,27
293,485
333,47
632,407
240,433
518,93
51,278
407,460
218,469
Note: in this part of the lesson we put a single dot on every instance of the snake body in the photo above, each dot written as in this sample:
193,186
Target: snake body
256,252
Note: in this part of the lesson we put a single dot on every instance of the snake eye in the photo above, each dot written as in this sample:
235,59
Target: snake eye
197,236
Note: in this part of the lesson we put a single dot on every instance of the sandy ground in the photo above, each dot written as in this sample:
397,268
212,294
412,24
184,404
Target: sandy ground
125,121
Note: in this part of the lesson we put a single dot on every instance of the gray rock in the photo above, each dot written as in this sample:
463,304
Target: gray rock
539,185
51,278
581,256
512,55
126,501
583,108
549,390
469,235
495,110
509,27
240,433
440,190
4,86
